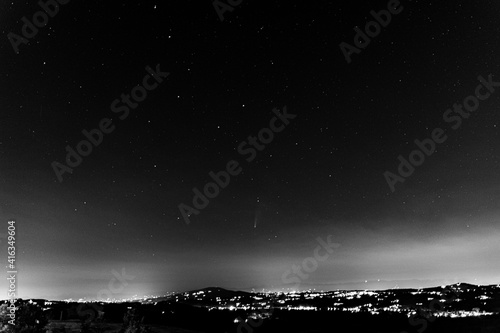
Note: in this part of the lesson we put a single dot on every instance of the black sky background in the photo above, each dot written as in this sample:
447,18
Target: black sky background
322,175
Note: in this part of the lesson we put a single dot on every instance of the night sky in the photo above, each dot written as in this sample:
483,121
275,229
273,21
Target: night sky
323,174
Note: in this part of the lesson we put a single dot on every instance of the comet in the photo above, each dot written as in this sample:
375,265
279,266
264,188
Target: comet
257,213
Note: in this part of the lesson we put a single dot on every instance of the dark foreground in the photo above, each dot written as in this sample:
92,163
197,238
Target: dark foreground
456,308
296,321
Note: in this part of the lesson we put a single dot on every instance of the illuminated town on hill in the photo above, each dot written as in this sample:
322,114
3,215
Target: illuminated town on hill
455,301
